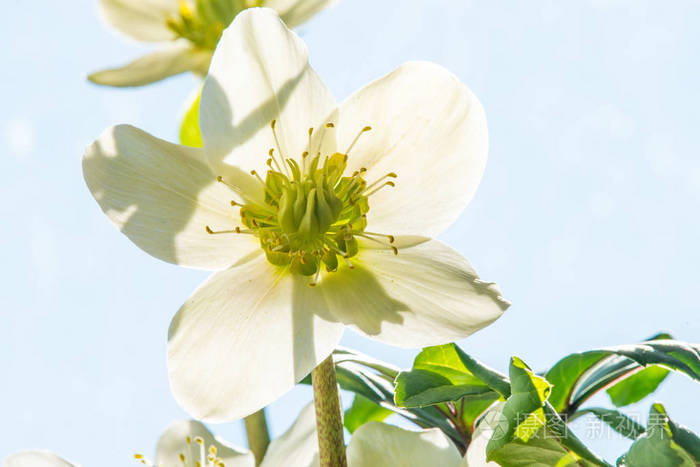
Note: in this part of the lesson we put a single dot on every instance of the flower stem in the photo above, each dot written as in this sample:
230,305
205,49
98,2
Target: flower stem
329,425
258,434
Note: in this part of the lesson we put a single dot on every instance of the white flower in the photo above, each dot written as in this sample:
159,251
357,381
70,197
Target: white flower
336,196
36,458
185,443
188,30
188,443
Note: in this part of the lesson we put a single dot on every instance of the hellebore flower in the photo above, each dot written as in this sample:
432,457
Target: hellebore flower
188,30
342,198
188,443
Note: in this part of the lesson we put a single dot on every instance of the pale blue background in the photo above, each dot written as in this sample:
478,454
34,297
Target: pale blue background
586,216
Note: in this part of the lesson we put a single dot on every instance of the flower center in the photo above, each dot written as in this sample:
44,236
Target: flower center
203,23
313,212
195,454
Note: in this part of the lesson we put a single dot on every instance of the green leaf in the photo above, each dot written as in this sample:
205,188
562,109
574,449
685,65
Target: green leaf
576,377
661,445
344,354
538,451
523,411
445,373
189,128
362,411
637,386
529,431
616,420
566,372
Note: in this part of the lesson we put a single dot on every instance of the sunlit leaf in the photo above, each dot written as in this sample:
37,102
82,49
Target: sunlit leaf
663,443
445,373
189,128
637,386
362,411
576,377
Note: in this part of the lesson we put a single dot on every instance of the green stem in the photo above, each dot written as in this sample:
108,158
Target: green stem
258,434
329,425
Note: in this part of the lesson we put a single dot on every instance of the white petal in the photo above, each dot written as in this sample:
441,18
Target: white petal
428,128
173,442
246,337
36,458
144,20
162,196
168,61
376,443
260,72
476,452
296,12
298,446
428,294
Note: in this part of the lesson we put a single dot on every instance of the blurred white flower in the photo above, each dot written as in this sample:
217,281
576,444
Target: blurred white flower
188,443
188,29
36,458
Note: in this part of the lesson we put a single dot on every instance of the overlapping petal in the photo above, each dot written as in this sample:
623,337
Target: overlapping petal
163,63
173,443
428,128
376,443
143,20
36,458
298,446
428,294
246,337
162,196
296,12
259,73
476,452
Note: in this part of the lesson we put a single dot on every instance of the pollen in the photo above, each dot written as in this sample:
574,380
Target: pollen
313,213
190,456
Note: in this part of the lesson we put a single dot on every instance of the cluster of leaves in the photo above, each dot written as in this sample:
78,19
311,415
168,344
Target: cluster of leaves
450,390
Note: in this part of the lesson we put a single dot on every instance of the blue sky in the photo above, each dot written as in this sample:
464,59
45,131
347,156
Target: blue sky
586,216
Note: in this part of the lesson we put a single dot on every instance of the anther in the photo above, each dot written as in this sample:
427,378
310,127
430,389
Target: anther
396,250
330,125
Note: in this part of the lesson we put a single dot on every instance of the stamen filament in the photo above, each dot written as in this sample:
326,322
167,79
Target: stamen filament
389,183
380,179
279,148
367,128
236,230
271,153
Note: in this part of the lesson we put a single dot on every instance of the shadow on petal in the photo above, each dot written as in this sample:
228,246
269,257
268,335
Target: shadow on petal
223,139
348,293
